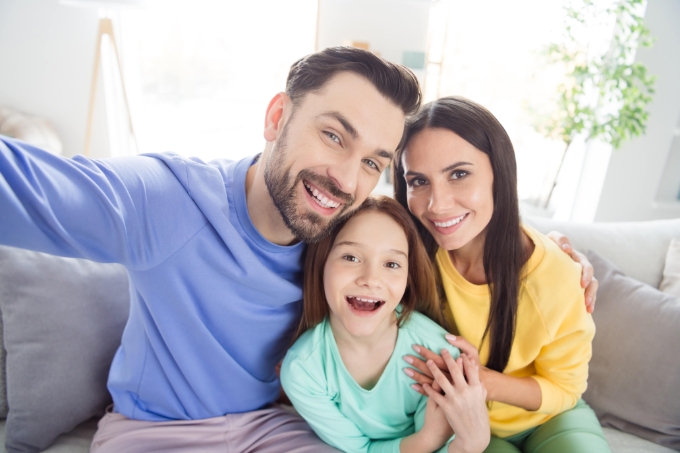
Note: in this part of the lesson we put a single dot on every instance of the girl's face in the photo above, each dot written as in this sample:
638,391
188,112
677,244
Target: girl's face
449,187
366,273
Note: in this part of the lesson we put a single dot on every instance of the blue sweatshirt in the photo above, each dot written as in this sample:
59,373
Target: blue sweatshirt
213,303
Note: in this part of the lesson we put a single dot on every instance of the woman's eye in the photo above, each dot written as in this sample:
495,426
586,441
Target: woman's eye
393,265
351,258
415,182
458,174
333,137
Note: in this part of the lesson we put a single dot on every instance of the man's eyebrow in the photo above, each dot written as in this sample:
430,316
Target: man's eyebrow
384,154
351,130
356,244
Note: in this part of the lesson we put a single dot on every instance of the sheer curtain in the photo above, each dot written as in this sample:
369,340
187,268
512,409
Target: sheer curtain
201,73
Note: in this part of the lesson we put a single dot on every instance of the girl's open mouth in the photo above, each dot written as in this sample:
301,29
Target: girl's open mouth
364,304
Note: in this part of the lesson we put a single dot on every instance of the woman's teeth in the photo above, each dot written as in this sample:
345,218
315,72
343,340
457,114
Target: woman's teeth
320,199
450,222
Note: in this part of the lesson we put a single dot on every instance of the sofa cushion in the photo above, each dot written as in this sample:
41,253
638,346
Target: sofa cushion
671,270
63,319
634,379
637,248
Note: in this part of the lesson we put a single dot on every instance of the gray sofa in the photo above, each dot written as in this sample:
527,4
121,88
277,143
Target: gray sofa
56,351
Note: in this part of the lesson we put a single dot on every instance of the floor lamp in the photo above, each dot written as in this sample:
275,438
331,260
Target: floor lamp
105,29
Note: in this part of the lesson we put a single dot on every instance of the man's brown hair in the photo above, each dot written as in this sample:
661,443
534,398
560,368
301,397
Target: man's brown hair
420,294
397,83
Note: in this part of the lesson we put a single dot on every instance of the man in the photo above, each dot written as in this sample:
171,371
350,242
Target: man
213,252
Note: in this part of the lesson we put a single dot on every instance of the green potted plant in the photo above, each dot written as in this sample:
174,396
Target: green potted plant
602,95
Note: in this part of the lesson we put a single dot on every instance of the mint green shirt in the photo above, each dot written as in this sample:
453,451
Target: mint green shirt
344,414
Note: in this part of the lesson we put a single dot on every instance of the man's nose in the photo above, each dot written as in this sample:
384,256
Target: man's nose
345,173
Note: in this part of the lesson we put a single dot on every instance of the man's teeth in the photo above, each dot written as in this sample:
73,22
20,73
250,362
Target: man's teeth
450,222
320,199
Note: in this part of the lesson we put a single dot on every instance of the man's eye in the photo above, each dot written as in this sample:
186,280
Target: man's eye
372,164
333,137
458,174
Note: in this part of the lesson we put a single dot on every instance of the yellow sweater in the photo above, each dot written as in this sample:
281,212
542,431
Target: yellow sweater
553,337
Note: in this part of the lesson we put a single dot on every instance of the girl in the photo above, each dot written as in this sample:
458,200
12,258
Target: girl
362,287
514,297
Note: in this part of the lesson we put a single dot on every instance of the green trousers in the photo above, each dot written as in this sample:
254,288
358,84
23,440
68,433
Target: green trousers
574,431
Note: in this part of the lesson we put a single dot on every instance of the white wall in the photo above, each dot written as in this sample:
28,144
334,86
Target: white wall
46,60
389,26
638,170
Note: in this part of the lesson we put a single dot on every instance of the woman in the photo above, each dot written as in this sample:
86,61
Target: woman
514,297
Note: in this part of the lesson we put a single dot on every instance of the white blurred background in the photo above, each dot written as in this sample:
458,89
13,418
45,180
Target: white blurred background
199,75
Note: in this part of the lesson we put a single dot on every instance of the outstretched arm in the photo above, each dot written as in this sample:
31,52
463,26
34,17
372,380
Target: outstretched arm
121,210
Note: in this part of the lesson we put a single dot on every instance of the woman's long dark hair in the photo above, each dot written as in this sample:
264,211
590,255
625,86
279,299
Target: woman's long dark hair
504,254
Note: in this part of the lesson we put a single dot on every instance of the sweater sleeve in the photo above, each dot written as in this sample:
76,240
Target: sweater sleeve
562,364
127,210
308,394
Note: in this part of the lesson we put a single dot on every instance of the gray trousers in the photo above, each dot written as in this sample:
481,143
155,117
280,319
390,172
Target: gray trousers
271,430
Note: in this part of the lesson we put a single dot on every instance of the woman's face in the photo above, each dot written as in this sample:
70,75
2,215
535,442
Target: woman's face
366,273
449,187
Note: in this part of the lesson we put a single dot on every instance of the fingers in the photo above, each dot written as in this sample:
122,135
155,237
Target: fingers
433,395
588,270
455,368
591,295
439,377
471,370
561,240
461,343
429,355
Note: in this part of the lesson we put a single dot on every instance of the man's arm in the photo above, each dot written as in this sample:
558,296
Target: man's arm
588,280
126,210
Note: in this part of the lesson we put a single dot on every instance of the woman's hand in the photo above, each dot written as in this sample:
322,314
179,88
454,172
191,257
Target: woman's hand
588,280
463,402
423,375
436,430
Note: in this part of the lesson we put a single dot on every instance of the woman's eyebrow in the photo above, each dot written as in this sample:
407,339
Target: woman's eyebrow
444,170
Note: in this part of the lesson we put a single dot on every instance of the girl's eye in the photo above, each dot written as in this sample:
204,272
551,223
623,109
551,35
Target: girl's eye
333,137
393,265
351,258
459,174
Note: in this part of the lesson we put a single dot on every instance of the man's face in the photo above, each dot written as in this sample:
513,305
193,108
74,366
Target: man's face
330,153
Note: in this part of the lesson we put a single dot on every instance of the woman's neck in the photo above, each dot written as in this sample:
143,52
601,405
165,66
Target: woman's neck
365,357
469,260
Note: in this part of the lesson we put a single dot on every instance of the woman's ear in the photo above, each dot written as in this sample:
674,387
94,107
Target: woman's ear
274,118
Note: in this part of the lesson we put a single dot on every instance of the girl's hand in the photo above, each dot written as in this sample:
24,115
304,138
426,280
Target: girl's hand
436,428
423,374
463,403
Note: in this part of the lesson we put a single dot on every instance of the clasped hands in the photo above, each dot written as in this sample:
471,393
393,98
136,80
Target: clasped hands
456,396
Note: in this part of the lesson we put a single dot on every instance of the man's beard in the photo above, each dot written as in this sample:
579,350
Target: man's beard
307,226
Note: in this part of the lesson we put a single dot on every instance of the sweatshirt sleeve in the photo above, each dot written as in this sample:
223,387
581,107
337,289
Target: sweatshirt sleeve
130,210
562,364
309,397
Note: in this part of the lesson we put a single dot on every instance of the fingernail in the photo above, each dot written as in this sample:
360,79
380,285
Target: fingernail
444,351
409,372
415,387
408,359
450,337
430,362
564,246
416,348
